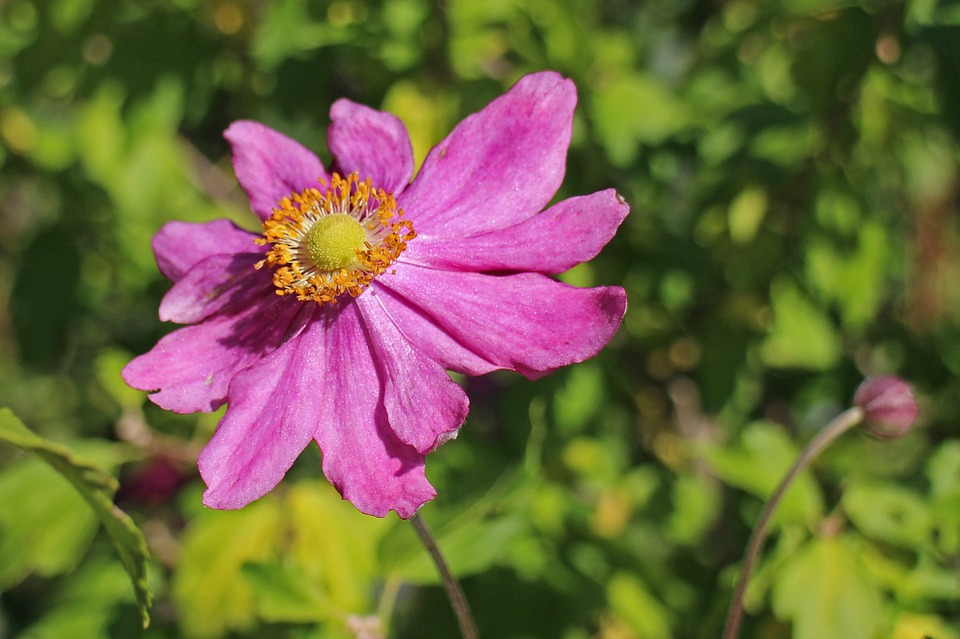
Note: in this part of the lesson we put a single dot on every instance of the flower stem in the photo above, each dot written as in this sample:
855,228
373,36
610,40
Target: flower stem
468,628
839,425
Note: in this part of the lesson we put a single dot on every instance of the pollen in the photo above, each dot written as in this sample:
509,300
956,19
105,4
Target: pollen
325,243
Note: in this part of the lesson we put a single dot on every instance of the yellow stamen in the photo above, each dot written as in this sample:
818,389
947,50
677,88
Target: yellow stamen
336,242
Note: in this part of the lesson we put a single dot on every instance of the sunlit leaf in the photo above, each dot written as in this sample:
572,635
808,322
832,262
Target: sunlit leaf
824,591
44,531
208,585
801,336
633,602
469,546
757,466
889,513
943,469
285,592
635,110
333,544
97,488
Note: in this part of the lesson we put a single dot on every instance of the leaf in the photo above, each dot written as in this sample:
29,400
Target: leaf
579,399
696,504
633,602
758,465
801,336
634,110
206,587
97,487
943,469
889,513
285,593
41,531
86,604
468,545
825,592
853,281
332,543
746,214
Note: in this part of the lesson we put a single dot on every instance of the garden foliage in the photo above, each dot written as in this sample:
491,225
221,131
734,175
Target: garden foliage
792,172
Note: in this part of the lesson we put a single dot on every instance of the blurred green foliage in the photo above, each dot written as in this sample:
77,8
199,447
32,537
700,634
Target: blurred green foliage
792,169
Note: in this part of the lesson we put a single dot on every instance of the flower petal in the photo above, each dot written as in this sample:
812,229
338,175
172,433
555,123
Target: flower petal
424,406
566,234
362,456
274,408
190,369
499,166
216,282
269,165
525,322
179,246
429,337
372,143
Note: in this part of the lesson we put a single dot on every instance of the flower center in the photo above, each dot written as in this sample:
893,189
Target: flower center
325,244
333,241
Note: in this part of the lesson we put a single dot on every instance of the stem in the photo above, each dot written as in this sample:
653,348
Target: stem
468,628
388,599
839,425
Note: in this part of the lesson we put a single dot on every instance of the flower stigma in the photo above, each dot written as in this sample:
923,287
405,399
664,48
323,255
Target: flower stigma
326,244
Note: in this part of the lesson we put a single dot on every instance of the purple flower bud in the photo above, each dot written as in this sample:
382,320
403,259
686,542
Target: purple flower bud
889,406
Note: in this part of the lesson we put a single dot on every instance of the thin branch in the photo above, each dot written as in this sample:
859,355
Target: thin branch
468,628
839,425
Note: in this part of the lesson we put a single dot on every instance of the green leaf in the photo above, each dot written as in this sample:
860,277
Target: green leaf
86,604
286,593
853,280
825,592
746,214
943,470
801,336
758,465
634,110
579,399
632,601
889,513
41,531
469,546
97,488
333,544
207,585
696,505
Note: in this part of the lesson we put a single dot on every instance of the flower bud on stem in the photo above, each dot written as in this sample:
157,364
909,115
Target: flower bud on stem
887,408
838,426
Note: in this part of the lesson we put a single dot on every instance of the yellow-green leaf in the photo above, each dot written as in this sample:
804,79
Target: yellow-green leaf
96,486
825,592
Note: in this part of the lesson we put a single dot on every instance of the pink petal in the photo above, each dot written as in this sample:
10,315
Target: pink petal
190,369
214,283
362,456
269,165
499,166
178,246
554,241
424,406
430,338
525,322
274,408
372,143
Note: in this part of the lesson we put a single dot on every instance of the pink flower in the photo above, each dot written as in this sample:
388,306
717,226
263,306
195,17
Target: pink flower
338,321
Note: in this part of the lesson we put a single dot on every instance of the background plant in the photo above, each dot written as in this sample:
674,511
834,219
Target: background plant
792,170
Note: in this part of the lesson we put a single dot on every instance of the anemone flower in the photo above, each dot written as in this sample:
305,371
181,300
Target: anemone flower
338,320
